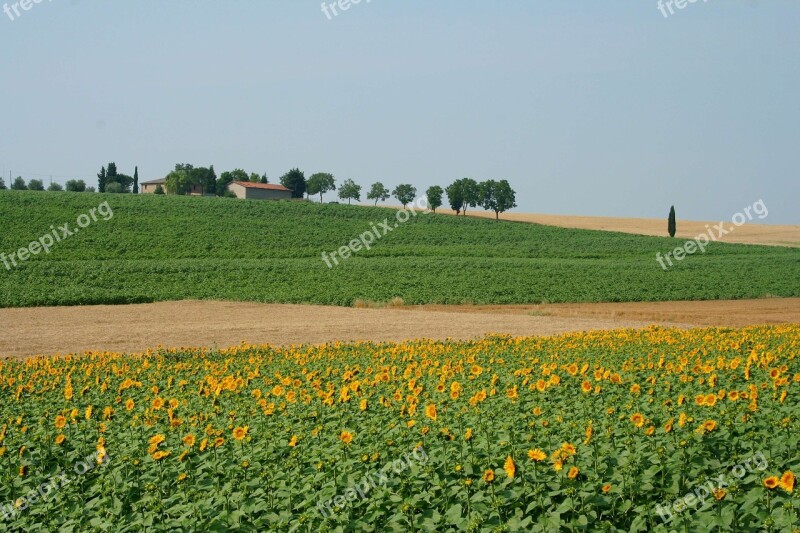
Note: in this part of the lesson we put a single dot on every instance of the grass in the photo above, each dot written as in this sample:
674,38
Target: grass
158,248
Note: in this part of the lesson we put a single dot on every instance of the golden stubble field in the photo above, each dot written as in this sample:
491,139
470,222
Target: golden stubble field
134,328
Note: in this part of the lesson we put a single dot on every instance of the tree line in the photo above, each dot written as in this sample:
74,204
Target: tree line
462,194
38,185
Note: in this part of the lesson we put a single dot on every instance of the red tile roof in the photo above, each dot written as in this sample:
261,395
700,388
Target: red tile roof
268,186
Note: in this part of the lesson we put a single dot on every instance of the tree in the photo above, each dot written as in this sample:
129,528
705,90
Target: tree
76,186
378,193
19,184
111,171
205,177
295,181
124,181
226,178
90,189
350,191
405,193
497,196
159,189
671,224
264,178
35,185
320,183
455,197
254,178
179,182
114,188
55,187
434,195
2,184
101,180
135,189
472,193
210,186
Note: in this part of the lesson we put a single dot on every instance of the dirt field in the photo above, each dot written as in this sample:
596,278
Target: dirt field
749,233
134,328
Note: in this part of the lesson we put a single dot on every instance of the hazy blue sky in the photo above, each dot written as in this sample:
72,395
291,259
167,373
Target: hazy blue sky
586,107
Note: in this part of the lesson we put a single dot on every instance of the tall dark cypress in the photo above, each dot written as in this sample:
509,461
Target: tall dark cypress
136,180
101,180
671,226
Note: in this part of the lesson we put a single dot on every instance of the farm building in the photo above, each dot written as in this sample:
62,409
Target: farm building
259,191
149,187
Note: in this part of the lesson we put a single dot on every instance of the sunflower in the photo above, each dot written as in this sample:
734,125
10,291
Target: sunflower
637,419
488,476
537,455
61,421
787,481
606,488
240,433
157,404
586,387
468,434
668,425
130,404
711,400
188,440
709,425
573,472
60,439
219,441
509,467
771,482
719,494
430,411
160,454
346,437
293,441
700,399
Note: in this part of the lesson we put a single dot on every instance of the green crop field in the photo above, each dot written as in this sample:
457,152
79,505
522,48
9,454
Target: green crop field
169,248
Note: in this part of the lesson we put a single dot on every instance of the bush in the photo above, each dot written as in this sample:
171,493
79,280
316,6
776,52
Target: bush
159,189
55,187
114,188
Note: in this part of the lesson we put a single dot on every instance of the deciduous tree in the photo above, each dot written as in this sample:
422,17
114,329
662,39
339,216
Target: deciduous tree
434,195
378,192
405,193
320,183
350,191
497,196
295,181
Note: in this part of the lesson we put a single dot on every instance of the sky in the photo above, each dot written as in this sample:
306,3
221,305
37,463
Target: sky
585,107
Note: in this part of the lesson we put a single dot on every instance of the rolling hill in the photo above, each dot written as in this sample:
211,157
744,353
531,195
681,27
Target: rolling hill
158,248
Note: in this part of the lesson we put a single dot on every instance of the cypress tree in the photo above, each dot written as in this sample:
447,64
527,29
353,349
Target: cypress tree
671,226
101,180
136,180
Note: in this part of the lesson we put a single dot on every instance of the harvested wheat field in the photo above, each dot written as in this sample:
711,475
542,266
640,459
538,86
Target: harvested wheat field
749,233
134,328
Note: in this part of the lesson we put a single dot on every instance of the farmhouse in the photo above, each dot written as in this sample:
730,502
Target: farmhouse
149,187
259,191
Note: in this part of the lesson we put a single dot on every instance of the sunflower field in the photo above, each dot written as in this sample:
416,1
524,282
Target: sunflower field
629,430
